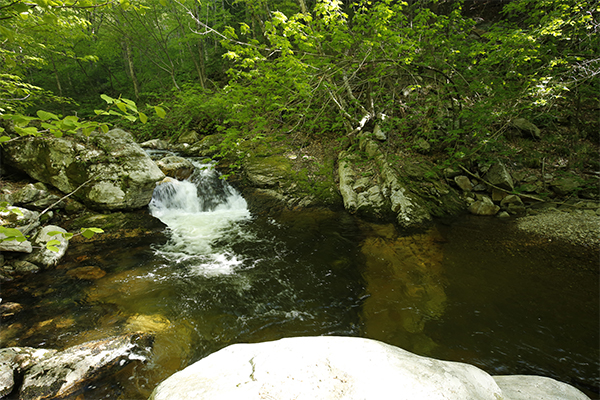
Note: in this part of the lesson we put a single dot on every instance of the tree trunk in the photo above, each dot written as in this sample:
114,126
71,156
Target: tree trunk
129,58
303,6
58,85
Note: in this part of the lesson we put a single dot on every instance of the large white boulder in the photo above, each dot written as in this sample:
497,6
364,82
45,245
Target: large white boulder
328,367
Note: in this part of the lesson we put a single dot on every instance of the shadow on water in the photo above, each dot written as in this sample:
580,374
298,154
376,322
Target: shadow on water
473,290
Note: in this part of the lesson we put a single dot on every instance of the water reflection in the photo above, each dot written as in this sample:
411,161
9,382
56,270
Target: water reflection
405,286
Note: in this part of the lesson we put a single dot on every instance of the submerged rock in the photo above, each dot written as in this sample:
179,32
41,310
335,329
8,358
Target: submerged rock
332,368
86,273
404,286
67,371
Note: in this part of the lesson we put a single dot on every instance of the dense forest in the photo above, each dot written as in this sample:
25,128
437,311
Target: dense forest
453,77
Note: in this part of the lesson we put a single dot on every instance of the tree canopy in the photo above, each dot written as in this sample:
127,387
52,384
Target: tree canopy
439,70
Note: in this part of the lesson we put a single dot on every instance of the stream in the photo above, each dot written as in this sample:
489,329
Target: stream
471,289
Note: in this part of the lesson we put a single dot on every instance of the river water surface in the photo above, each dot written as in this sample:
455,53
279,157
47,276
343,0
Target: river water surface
473,290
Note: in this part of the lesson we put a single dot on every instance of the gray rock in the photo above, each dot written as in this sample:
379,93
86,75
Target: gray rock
155,144
42,256
121,175
498,195
564,186
405,193
379,134
26,195
188,137
480,187
15,360
176,167
484,206
524,387
498,175
346,176
207,147
513,204
371,201
450,173
20,218
511,199
67,371
25,267
13,245
267,171
464,183
527,127
349,368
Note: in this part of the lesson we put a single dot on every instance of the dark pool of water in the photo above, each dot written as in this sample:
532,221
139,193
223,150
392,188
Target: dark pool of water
473,290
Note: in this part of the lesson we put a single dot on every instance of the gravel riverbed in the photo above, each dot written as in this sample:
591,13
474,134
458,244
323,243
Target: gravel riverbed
581,227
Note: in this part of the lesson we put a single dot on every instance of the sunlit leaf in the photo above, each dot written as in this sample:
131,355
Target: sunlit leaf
122,106
160,111
51,245
107,99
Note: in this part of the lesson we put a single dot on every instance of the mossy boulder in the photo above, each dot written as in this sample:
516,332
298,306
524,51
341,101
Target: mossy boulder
377,185
106,171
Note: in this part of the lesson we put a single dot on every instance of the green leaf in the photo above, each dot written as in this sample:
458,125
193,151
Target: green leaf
54,233
122,106
104,128
160,111
89,232
143,118
29,131
107,99
4,139
12,234
87,131
51,245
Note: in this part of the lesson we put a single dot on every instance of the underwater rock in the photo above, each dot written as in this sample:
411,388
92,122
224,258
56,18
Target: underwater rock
403,277
87,273
9,309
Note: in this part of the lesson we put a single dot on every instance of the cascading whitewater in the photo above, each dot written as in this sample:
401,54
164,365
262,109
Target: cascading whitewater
198,211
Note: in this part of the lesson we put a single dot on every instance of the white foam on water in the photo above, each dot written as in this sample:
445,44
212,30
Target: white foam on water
199,211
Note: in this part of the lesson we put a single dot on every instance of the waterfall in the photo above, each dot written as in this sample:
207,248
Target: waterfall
198,211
